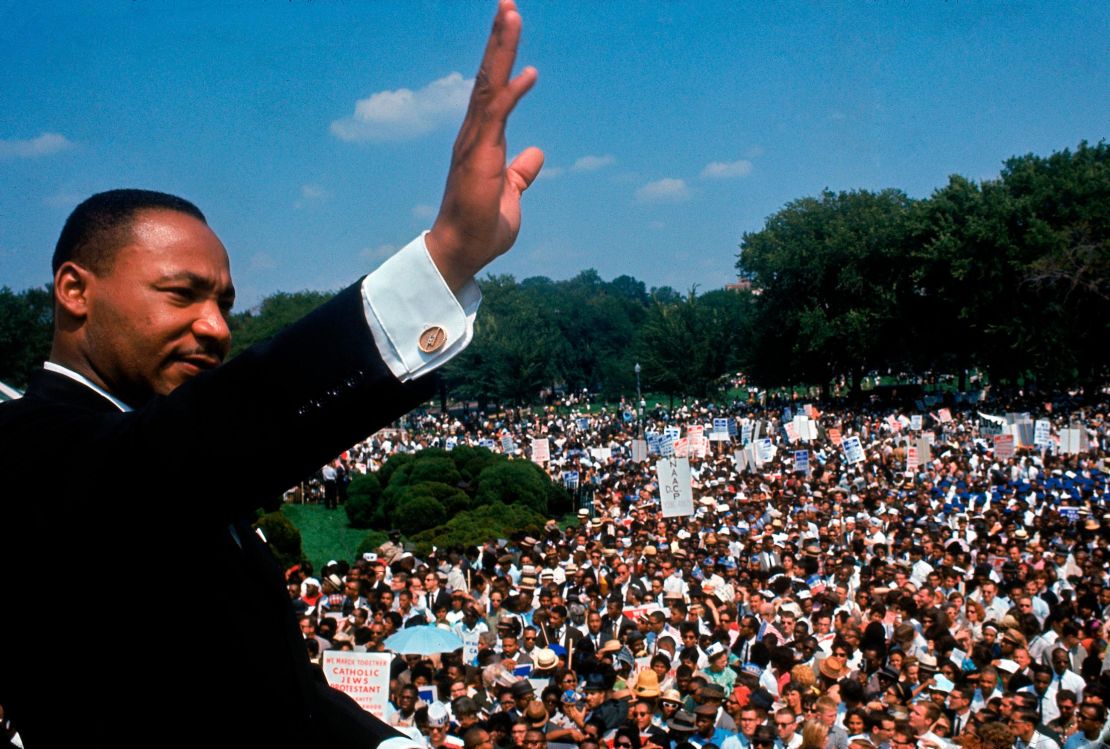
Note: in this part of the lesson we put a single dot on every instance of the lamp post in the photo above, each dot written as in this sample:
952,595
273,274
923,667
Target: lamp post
639,399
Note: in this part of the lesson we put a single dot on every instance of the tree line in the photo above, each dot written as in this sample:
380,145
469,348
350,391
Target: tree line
1008,276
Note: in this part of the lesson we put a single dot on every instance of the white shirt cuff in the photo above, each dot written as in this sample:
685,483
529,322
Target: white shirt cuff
399,742
405,300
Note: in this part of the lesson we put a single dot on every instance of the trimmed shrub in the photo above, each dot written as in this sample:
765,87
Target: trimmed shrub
514,482
283,537
416,512
363,504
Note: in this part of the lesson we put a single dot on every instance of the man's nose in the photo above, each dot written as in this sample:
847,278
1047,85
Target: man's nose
211,324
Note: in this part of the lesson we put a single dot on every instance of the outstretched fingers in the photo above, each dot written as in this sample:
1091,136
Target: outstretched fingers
500,54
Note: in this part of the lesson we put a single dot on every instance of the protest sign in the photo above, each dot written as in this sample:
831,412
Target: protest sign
682,448
805,427
507,445
911,458
639,451
853,450
924,449
364,677
944,416
583,423
487,443
915,422
1074,441
766,450
470,647
745,432
666,446
801,461
1003,446
695,437
676,496
1042,434
834,436
635,612
740,460
570,479
601,454
791,432
721,426
541,450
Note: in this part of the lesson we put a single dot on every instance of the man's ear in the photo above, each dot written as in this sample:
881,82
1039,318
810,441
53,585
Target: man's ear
71,289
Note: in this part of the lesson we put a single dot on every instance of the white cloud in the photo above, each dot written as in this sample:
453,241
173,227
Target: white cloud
666,190
378,254
726,169
62,199
404,113
262,261
551,171
311,193
45,144
423,211
592,163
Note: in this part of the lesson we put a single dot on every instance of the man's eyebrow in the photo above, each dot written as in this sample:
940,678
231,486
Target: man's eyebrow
200,282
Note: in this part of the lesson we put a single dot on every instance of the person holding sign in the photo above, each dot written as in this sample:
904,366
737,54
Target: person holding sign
134,410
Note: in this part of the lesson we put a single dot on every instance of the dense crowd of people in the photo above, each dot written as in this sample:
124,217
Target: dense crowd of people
943,587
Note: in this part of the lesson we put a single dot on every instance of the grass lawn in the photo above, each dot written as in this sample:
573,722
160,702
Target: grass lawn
324,533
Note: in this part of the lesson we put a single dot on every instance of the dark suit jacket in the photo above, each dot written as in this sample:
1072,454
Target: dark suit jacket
172,631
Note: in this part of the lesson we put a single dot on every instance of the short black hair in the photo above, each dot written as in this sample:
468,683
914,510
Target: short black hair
102,224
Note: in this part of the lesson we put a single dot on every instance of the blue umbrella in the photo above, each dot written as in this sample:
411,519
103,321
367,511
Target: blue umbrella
426,640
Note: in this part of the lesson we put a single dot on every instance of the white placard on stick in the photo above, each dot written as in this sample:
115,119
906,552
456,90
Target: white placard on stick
364,677
853,450
675,493
541,450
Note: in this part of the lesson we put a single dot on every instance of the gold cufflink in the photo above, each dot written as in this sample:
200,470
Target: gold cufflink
432,339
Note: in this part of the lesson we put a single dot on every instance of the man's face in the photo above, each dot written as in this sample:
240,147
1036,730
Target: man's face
157,318
988,593
1059,661
749,721
919,719
509,647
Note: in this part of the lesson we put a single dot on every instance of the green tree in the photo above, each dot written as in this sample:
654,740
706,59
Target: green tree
276,312
26,329
832,276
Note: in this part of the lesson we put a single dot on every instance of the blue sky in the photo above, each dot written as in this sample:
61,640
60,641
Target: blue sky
316,134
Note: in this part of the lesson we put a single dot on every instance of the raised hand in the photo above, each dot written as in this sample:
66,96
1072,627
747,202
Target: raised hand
479,217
